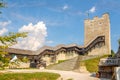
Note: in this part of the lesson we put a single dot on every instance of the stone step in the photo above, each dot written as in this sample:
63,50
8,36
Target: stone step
67,65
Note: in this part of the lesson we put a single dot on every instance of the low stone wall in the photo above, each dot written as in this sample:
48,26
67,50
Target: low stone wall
19,65
117,73
89,57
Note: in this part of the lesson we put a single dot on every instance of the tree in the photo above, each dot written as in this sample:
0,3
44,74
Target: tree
119,42
25,59
6,42
2,4
11,38
112,53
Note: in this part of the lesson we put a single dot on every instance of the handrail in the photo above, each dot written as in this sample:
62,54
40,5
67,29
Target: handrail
92,40
96,40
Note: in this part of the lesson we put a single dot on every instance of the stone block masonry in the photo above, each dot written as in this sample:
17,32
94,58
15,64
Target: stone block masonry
97,27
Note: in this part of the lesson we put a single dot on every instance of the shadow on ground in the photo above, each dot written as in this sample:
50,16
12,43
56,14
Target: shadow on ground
94,75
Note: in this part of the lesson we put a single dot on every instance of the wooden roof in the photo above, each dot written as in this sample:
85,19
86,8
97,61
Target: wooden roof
20,51
42,49
56,47
37,52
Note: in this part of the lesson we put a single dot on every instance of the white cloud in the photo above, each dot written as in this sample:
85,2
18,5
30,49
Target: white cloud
36,36
3,24
93,9
3,31
65,7
3,28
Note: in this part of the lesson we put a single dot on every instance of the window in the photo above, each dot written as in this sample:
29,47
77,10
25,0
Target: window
100,23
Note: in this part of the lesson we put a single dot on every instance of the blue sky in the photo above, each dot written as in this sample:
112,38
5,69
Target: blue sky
61,21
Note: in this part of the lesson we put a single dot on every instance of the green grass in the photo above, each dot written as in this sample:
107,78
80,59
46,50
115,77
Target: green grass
29,76
92,64
60,61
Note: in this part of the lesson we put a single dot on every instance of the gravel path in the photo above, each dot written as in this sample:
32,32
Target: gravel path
64,74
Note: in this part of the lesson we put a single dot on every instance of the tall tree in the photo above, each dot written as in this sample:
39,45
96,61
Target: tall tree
7,41
112,53
119,42
2,4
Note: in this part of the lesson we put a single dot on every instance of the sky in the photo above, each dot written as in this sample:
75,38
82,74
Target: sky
54,22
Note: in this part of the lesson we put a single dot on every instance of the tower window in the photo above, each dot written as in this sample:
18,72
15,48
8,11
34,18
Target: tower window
100,23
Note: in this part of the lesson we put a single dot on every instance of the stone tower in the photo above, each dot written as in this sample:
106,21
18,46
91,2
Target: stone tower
97,27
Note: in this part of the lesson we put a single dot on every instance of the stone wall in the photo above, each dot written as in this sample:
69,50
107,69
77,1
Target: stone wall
98,49
97,27
62,55
117,73
19,65
47,58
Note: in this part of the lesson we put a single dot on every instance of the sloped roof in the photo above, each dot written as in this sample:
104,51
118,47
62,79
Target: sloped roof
55,48
20,51
37,52
42,49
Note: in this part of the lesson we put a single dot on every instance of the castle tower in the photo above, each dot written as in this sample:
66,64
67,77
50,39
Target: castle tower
97,27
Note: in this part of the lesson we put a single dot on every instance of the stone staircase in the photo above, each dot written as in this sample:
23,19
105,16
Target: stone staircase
68,65
77,64
72,64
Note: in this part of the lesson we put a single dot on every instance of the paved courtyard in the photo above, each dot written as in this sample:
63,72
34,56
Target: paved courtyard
64,74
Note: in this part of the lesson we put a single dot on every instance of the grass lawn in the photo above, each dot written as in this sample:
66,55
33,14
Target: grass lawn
92,64
29,76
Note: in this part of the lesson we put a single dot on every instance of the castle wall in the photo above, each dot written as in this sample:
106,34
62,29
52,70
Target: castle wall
47,59
98,50
93,29
62,55
97,27
65,55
